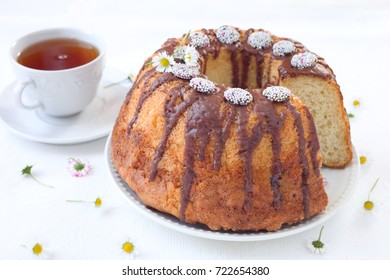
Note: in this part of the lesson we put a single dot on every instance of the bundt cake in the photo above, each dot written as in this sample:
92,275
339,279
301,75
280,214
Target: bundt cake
213,130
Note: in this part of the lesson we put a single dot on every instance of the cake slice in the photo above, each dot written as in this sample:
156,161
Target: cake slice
310,78
325,102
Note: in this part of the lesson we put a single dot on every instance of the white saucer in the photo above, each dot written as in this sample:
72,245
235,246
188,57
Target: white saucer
94,122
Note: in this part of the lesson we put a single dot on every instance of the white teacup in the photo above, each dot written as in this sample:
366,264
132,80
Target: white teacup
59,93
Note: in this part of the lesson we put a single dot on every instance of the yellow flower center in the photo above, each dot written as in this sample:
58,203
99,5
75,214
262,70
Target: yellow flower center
164,62
128,247
368,205
356,103
98,202
37,249
363,159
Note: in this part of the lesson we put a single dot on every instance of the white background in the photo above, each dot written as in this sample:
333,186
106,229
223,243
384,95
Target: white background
353,36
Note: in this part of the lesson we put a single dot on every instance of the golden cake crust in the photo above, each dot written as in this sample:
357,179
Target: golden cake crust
217,196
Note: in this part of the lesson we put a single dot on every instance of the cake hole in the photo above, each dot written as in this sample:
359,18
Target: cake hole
239,69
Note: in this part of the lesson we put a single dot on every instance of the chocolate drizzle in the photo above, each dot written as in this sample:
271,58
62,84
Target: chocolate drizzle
214,46
275,125
285,69
302,158
203,119
172,113
163,79
314,144
208,115
147,76
246,153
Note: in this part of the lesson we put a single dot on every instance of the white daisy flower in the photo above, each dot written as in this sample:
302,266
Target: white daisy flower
97,202
369,204
357,103
355,108
128,248
317,245
191,56
79,168
36,250
163,62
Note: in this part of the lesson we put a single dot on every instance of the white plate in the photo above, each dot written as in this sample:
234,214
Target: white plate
341,184
92,123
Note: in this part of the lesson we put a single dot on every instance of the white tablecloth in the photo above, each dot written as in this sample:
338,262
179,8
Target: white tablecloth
354,37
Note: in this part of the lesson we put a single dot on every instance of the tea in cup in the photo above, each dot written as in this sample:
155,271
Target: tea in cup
59,69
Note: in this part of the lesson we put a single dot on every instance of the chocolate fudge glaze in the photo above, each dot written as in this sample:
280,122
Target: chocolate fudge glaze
209,115
302,159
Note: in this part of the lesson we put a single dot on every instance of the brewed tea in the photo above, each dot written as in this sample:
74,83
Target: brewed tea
57,54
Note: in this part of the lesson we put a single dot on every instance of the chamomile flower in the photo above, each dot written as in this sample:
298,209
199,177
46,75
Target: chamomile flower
366,159
163,62
191,56
317,245
356,103
36,250
97,202
356,107
79,168
128,248
369,204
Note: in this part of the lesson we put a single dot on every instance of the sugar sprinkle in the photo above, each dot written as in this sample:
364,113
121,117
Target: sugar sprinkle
277,93
227,34
260,40
184,71
199,40
202,85
283,47
238,96
304,60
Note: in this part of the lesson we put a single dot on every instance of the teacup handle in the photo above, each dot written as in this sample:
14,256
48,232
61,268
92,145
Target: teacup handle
19,89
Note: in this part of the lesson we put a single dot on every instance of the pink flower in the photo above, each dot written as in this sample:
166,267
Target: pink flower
79,168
